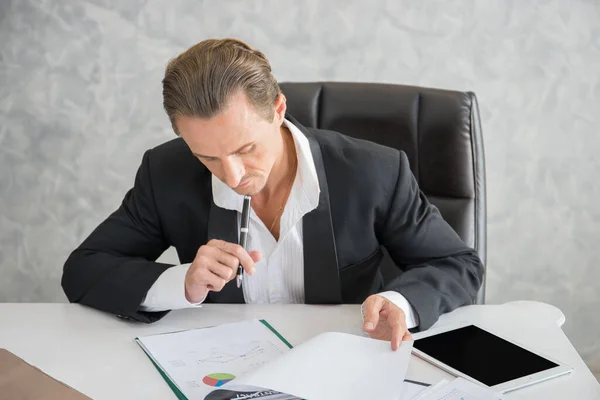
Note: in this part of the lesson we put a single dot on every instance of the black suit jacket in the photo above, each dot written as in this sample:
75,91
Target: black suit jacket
369,199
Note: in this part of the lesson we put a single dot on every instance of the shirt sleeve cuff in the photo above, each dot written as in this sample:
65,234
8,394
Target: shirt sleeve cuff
412,319
168,292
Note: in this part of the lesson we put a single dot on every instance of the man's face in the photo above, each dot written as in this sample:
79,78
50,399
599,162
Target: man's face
238,146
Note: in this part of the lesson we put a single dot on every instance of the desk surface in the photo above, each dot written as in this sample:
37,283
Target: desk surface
95,352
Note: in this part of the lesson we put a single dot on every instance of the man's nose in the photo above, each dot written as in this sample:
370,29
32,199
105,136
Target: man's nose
233,172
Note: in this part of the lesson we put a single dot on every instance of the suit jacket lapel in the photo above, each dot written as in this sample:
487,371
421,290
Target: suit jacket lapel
222,224
321,272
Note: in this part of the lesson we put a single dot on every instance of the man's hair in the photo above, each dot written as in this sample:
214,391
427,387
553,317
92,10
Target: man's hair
201,81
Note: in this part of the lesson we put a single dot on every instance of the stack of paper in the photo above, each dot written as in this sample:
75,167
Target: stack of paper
251,359
458,389
410,389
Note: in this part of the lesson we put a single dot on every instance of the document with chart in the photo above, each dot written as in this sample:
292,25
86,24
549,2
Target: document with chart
251,360
198,362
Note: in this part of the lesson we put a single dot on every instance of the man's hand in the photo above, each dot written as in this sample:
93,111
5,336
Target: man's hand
385,321
216,263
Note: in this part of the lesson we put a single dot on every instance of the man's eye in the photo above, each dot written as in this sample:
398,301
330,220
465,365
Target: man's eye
247,150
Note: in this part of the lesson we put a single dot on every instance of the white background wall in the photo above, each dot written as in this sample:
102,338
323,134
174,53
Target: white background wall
80,100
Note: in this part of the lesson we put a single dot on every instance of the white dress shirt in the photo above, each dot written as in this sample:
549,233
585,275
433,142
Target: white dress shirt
279,276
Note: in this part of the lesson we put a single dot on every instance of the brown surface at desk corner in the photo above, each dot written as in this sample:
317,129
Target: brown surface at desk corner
22,381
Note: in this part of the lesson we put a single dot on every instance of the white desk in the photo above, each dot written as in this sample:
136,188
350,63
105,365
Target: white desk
96,354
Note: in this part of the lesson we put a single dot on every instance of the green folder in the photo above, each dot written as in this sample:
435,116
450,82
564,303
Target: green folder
172,384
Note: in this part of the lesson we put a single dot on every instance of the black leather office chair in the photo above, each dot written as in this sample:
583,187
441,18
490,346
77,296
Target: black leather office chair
439,130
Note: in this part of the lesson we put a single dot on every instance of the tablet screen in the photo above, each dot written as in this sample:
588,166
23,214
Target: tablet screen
482,355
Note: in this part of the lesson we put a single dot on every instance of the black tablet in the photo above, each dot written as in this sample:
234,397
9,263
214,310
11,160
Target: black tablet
484,357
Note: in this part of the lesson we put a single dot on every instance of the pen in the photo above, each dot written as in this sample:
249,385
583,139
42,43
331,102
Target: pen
243,235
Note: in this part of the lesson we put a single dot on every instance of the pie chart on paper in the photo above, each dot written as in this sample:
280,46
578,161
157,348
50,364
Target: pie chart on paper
217,379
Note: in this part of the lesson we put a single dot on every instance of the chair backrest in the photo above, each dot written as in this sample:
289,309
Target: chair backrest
439,130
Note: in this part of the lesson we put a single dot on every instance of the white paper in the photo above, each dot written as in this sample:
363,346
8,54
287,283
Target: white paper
189,358
431,389
336,365
461,389
410,390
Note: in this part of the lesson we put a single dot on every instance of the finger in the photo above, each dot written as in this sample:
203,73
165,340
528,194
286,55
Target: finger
371,308
226,259
222,271
213,282
216,260
216,243
407,336
256,256
237,251
393,315
397,334
242,255
216,253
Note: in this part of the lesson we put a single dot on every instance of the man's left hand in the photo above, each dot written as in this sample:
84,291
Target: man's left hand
385,321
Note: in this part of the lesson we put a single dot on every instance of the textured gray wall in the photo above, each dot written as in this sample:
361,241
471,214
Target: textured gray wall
80,100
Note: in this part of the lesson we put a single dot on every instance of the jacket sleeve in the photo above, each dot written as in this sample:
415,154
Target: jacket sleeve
113,269
440,272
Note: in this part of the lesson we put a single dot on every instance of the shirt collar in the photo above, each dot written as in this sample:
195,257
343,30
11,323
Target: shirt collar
306,178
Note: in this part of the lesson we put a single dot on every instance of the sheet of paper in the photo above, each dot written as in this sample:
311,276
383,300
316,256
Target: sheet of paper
201,360
431,389
410,389
461,389
337,366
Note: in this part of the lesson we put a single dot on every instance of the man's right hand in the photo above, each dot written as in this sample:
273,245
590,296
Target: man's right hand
216,263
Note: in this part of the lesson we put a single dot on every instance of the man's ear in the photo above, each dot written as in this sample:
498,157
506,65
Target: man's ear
280,108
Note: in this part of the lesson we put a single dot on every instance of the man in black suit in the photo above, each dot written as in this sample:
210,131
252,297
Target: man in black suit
323,206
